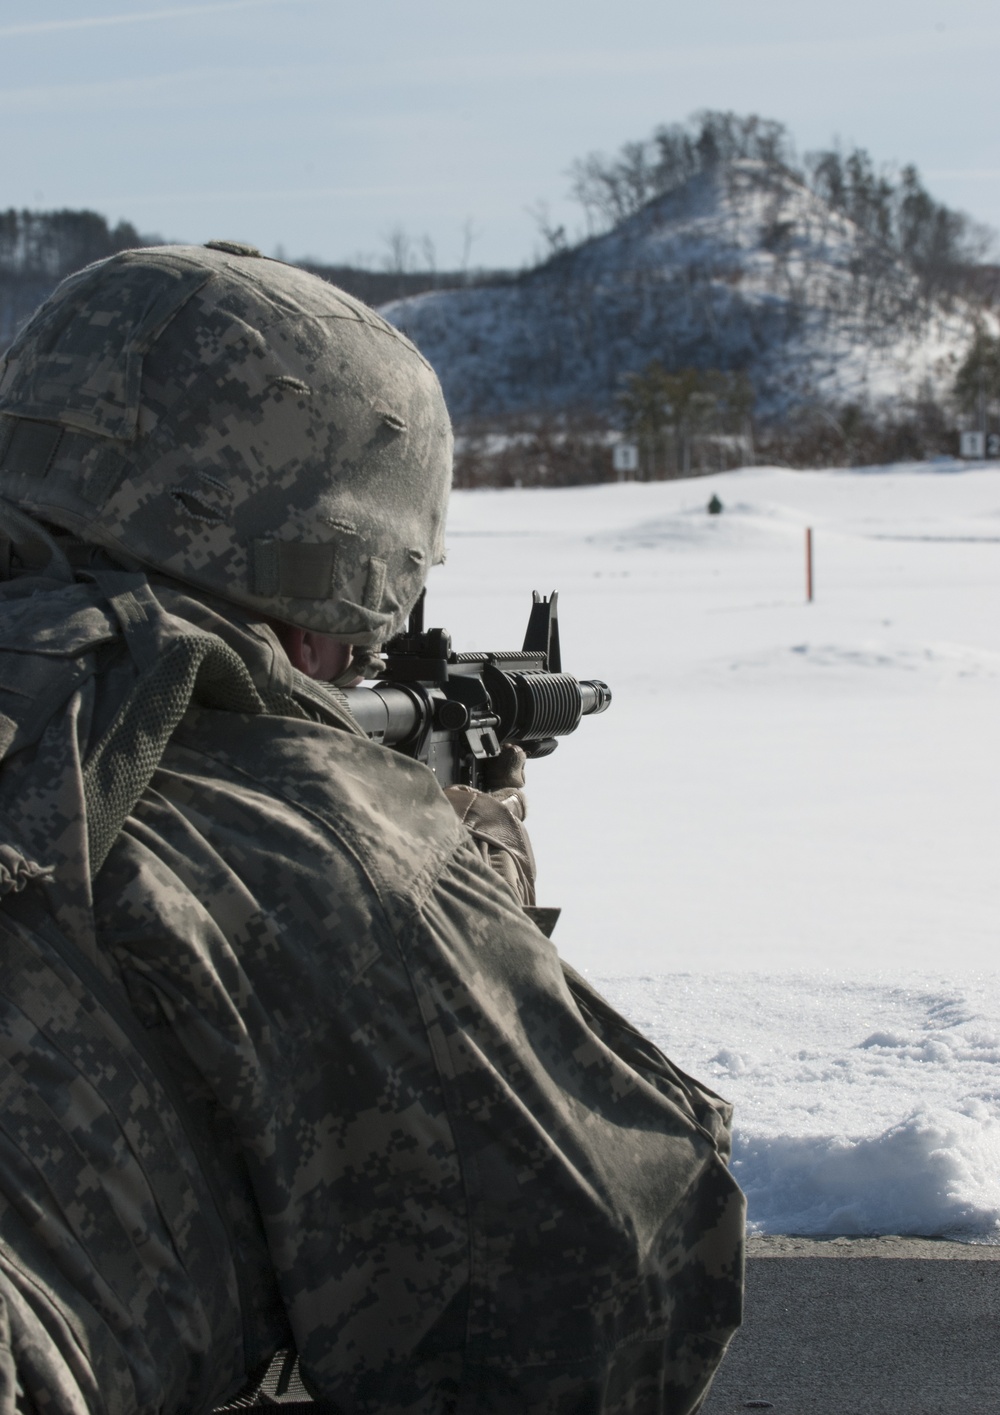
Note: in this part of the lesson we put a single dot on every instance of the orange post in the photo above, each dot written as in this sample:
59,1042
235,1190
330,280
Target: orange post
809,564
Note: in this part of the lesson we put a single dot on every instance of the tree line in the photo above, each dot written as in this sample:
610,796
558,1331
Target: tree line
891,207
49,245
687,419
611,189
40,248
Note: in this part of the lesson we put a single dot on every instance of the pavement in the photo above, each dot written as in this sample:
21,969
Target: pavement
865,1326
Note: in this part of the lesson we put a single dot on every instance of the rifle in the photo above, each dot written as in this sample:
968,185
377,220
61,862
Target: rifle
456,711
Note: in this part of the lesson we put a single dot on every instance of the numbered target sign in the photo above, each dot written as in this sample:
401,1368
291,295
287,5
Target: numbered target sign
993,445
625,457
973,444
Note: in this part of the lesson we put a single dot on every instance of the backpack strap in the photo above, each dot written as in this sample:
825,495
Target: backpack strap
174,667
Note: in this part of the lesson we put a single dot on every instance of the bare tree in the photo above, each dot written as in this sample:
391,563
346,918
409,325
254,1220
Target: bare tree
399,250
469,237
554,236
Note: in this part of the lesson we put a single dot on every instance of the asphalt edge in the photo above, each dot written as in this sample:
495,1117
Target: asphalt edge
776,1245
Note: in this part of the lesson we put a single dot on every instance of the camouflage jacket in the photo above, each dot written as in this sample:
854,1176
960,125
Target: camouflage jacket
284,1061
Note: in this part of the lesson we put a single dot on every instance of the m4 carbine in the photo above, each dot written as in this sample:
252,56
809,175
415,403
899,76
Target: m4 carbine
456,711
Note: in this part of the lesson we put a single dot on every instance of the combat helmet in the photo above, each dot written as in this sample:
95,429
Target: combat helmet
238,424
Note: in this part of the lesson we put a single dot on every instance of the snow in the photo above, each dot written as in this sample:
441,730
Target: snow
863,1105
777,851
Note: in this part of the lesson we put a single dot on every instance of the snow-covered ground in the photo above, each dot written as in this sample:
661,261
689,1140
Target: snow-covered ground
778,850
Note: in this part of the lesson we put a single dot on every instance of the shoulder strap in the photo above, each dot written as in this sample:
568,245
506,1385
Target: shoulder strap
172,667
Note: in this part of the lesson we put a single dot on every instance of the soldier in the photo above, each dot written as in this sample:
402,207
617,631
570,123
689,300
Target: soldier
284,1062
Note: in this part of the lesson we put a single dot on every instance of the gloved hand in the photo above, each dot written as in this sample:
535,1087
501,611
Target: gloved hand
495,819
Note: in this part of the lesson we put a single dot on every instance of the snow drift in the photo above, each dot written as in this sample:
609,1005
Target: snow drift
861,1107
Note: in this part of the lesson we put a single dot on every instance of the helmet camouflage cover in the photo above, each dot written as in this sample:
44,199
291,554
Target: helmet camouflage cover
239,424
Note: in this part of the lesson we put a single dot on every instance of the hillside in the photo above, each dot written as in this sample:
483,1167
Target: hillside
741,267
827,285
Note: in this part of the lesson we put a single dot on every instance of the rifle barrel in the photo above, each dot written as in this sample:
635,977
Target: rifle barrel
391,713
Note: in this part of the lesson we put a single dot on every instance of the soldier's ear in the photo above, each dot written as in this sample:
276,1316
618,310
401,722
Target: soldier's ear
313,654
300,648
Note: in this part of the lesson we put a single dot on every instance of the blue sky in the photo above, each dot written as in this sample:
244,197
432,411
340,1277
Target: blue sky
320,127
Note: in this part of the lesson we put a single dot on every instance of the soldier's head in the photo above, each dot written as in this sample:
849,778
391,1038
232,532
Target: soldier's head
239,425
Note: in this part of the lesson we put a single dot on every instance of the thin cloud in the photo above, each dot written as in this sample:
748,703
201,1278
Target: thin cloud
210,195
176,12
213,88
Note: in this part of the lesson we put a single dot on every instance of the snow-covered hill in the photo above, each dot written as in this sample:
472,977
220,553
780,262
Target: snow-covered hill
742,267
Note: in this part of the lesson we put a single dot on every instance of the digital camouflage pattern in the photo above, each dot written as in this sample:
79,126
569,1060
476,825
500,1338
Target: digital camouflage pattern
283,1059
296,1066
119,1286
238,423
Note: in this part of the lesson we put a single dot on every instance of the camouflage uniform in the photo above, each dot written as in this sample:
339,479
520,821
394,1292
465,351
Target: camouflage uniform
284,1060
